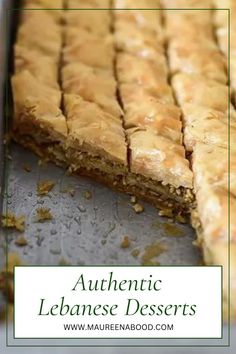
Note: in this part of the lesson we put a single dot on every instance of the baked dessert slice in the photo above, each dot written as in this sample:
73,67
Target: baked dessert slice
93,85
207,126
139,71
189,24
96,144
47,29
194,58
225,39
88,4
132,12
87,18
197,89
160,171
151,120
161,119
39,123
143,43
187,4
38,120
82,46
214,217
44,69
46,6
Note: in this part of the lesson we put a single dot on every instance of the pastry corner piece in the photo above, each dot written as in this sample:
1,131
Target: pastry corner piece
159,169
37,116
96,144
215,219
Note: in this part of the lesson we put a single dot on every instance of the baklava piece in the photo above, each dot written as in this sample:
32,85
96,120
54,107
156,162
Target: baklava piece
207,126
197,89
216,207
38,122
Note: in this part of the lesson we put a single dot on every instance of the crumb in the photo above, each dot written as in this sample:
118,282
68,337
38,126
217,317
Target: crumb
27,168
44,214
138,208
170,220
172,230
44,187
133,199
63,262
70,191
21,241
69,172
135,253
87,195
42,162
152,251
125,242
181,219
166,212
13,222
9,157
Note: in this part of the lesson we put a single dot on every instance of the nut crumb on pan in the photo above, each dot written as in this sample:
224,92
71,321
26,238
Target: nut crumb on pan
135,253
71,191
63,262
13,222
44,187
125,243
44,214
133,199
165,212
181,219
87,195
151,252
172,230
138,208
21,241
43,162
26,168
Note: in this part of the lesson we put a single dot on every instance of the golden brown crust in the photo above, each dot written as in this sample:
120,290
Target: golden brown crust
95,130
158,158
44,69
36,104
192,88
145,19
89,20
88,48
140,42
93,84
208,126
199,57
47,29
